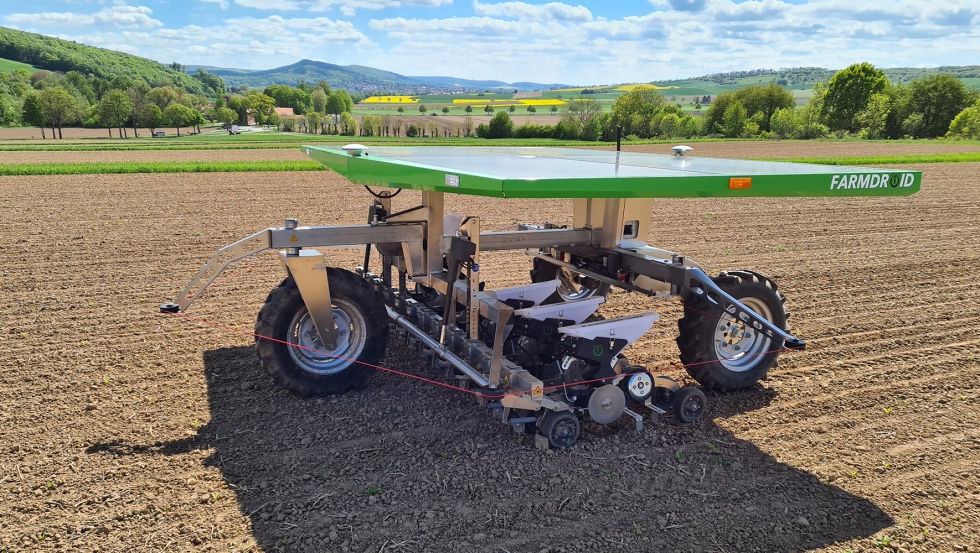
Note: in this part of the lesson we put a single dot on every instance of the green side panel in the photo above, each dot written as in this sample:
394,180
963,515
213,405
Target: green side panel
574,173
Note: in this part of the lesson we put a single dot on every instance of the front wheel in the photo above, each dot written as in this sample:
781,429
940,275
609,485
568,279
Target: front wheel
288,344
721,352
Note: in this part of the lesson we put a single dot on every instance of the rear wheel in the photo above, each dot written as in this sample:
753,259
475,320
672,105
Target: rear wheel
561,428
574,286
721,352
294,356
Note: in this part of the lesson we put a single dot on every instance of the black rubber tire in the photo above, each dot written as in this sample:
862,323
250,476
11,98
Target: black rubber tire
542,271
561,428
285,302
689,405
701,318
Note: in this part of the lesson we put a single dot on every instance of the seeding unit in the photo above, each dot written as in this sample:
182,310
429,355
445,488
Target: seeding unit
536,354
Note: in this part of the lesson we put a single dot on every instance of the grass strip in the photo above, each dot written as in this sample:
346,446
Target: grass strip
885,160
157,167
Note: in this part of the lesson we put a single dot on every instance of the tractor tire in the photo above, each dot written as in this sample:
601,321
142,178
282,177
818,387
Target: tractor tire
292,353
573,285
720,353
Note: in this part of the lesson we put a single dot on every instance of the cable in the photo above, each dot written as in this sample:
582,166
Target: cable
382,196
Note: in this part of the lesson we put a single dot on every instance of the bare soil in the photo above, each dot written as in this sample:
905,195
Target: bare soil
122,429
109,156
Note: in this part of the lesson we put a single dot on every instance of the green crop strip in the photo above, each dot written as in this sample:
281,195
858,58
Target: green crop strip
885,160
157,167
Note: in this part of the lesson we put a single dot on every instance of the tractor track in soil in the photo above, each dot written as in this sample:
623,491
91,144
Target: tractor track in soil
122,429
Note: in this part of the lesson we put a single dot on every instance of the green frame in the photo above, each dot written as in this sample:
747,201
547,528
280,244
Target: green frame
669,176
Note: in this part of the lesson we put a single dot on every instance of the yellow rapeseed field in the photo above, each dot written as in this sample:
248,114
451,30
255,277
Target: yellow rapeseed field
390,100
630,87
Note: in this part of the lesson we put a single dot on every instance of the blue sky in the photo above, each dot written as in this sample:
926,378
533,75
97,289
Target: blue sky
584,42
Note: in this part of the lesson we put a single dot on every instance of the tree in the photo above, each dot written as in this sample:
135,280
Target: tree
785,123
488,109
634,109
335,103
966,125
848,94
319,99
225,115
114,110
938,98
401,110
670,125
500,126
151,117
469,109
874,117
313,121
59,107
765,100
138,97
163,96
260,106
32,113
554,109
6,113
735,120
512,108
178,115
422,108
445,110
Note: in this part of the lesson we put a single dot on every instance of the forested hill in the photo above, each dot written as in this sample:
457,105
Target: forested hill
54,54
812,75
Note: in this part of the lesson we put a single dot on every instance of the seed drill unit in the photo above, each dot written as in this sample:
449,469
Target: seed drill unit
536,354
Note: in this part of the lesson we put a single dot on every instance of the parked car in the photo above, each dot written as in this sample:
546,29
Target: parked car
159,134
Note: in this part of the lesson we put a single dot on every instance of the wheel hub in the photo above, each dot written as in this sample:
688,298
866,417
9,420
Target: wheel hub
739,347
309,352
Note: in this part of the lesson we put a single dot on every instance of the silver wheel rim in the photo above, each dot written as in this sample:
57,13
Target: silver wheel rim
738,346
570,288
311,356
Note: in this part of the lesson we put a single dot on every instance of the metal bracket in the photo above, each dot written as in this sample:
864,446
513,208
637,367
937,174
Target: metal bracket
636,417
309,271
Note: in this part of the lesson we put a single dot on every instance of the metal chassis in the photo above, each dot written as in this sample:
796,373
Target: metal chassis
506,385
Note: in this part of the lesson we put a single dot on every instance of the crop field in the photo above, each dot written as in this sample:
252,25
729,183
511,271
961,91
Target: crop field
126,430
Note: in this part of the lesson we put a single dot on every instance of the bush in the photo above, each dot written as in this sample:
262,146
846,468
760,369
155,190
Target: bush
966,125
567,129
528,130
482,130
500,126
412,131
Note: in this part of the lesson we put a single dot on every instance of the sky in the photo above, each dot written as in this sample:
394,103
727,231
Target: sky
586,42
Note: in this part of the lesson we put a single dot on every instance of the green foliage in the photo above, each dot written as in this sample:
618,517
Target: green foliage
163,96
225,115
319,100
734,121
178,115
54,54
114,109
151,117
785,123
339,101
966,125
875,116
7,115
634,109
528,130
765,100
212,85
500,126
848,94
260,106
288,97
938,98
422,108
59,107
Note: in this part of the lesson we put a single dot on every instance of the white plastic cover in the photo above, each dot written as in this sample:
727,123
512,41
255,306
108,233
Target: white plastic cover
627,328
575,311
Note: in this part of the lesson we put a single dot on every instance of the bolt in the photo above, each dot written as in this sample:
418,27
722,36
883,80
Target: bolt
606,404
737,348
341,332
307,334
722,327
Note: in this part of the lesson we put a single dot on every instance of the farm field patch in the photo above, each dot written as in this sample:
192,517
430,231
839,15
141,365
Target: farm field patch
126,429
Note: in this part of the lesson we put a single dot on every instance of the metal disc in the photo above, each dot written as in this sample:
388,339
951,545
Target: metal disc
638,386
607,404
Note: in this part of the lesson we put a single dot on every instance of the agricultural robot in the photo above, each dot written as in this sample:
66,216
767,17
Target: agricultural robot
537,354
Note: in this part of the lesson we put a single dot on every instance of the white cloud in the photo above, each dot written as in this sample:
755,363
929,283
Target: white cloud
115,16
287,5
223,4
552,11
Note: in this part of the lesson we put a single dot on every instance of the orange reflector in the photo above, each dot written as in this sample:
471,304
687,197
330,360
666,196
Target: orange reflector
739,183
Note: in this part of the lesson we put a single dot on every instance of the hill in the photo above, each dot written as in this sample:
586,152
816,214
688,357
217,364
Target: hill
811,75
54,54
8,66
356,78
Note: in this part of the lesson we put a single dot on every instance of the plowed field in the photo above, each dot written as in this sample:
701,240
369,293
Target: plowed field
128,430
